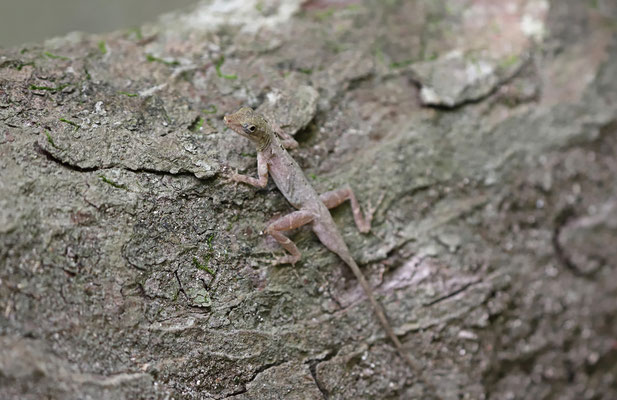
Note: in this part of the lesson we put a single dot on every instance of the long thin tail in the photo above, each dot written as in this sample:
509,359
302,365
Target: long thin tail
381,315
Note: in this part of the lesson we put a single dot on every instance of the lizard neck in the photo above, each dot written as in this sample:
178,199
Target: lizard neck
266,142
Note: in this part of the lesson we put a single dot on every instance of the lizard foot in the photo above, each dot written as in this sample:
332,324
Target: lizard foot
370,210
288,259
232,178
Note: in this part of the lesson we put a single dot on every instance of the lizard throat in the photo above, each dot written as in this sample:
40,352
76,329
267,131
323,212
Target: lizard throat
265,143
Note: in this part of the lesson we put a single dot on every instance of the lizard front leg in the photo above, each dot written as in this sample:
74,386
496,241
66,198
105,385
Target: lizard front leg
336,197
287,140
286,223
262,173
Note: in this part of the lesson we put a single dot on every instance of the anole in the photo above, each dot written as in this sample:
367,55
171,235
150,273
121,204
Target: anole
312,208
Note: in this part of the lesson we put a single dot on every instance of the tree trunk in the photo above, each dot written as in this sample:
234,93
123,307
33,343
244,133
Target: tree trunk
131,268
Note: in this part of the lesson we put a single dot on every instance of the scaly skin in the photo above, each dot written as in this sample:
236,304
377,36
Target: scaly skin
273,157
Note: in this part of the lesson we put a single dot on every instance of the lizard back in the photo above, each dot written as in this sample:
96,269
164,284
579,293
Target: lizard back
290,179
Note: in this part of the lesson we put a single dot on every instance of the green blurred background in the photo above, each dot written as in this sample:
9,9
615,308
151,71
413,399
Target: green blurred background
24,21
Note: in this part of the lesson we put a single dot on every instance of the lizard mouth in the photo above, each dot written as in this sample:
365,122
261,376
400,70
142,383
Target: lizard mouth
234,126
230,123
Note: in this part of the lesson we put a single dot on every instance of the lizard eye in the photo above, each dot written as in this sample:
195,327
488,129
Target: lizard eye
250,128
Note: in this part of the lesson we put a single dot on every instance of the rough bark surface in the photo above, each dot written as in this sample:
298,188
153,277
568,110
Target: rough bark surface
131,269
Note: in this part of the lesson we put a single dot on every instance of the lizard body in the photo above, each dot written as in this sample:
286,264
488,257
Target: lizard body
273,158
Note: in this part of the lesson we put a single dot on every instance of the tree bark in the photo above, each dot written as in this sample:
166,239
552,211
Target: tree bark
130,268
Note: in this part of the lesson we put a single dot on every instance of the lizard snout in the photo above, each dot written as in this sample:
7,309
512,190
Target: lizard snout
228,120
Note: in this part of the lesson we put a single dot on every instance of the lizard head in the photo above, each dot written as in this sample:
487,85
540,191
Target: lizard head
251,125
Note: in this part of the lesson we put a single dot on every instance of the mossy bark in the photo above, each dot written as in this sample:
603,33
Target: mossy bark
130,268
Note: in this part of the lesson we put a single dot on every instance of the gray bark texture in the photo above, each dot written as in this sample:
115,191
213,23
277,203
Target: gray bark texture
130,268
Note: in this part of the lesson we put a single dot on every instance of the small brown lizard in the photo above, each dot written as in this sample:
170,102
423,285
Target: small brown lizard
273,157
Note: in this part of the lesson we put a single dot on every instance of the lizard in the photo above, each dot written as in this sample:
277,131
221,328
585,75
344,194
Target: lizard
272,158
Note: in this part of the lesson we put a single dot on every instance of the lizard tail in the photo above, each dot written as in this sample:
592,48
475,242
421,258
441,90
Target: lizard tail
381,315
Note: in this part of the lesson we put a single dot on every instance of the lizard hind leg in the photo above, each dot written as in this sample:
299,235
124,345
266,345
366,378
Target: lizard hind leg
286,223
334,198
